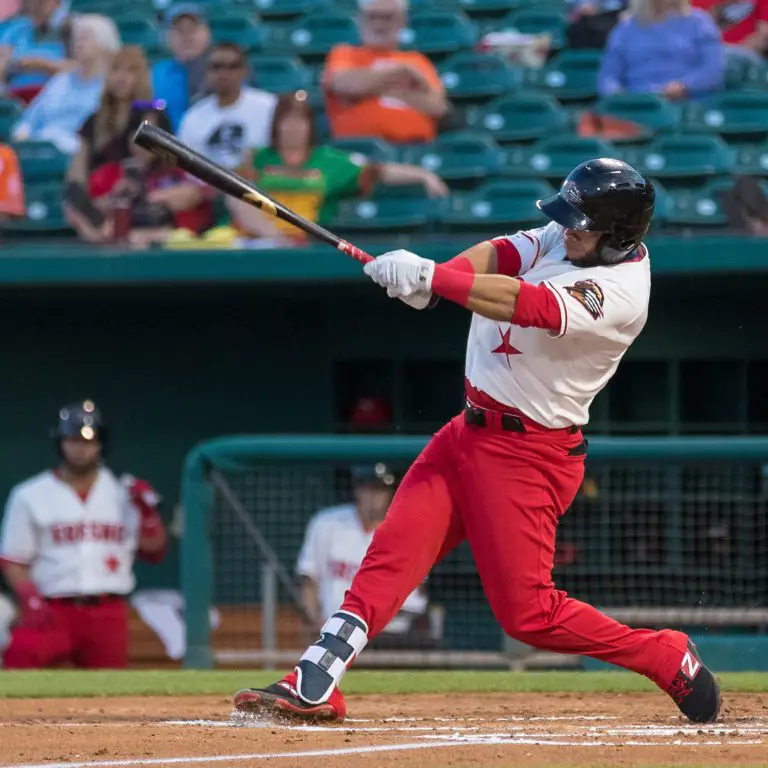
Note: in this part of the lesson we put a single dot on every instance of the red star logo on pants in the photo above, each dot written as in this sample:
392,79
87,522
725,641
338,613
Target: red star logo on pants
505,348
112,564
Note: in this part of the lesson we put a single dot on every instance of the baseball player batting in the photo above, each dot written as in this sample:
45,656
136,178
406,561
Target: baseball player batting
554,310
69,538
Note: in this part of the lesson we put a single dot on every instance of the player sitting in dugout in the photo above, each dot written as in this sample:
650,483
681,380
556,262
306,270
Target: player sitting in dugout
335,543
67,548
312,179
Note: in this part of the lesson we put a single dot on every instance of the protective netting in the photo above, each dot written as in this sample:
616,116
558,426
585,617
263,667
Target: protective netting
688,536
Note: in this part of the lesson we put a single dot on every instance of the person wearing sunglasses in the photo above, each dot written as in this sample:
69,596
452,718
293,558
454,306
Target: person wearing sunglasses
235,118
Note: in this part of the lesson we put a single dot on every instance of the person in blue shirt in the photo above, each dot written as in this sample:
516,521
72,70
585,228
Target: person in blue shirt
664,47
68,98
32,47
181,81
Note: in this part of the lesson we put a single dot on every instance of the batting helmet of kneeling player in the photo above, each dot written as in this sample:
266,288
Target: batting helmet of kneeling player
606,207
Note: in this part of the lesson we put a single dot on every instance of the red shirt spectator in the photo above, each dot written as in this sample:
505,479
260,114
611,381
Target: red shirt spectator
740,21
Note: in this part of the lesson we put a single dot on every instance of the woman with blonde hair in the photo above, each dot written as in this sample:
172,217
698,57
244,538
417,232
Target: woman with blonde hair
67,99
664,47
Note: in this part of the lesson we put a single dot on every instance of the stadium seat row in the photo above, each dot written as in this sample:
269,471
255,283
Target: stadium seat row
464,158
294,8
496,205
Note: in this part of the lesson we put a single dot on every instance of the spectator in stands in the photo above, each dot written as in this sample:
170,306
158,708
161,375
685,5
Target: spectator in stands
744,25
335,542
592,22
11,185
377,90
181,81
33,47
311,179
143,199
663,47
235,117
106,135
59,110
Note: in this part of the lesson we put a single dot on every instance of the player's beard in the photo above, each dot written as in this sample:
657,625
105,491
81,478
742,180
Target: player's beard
81,470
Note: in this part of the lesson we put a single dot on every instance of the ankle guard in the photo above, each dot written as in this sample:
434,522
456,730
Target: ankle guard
323,664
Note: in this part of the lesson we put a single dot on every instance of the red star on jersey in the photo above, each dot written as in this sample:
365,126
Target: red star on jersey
505,348
112,564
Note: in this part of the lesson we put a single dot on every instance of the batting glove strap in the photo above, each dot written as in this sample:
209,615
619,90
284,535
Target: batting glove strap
323,664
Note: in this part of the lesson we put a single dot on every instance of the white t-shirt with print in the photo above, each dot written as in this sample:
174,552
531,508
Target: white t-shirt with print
224,134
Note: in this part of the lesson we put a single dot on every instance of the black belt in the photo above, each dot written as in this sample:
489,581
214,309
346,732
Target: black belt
87,599
478,417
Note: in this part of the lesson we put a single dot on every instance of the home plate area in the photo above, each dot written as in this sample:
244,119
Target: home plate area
428,730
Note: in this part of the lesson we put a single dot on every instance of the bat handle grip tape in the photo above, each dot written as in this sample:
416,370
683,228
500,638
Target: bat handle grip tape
354,252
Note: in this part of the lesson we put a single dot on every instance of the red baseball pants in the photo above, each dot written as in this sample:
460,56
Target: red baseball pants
504,491
89,636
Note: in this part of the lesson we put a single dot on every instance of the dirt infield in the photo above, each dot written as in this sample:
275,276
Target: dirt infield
406,731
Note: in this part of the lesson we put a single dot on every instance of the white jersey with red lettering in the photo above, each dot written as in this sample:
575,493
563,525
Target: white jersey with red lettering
74,546
552,377
334,546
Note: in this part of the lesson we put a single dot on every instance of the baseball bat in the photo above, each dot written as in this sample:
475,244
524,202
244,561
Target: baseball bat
170,149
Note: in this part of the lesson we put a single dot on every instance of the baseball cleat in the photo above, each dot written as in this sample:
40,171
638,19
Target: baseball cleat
695,690
281,701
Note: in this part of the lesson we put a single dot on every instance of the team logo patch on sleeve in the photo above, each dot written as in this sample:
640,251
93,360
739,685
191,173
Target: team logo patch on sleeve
590,295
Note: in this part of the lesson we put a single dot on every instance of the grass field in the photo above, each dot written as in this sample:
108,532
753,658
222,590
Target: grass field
78,683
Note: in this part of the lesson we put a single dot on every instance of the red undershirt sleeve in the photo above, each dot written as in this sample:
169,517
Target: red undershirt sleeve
508,259
537,307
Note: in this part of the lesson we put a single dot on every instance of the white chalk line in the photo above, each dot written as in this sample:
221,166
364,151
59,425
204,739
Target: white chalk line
455,742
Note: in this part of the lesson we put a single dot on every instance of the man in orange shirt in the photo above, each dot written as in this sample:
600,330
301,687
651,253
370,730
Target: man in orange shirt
377,90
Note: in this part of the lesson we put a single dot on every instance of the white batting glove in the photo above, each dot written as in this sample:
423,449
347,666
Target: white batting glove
418,300
402,273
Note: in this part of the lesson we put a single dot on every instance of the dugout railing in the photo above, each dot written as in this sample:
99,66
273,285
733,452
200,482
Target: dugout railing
664,532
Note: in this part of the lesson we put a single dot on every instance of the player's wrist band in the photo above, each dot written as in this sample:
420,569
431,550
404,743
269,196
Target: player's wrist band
454,285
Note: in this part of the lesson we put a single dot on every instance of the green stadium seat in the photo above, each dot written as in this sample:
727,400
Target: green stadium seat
554,158
683,158
274,9
40,161
139,30
700,206
279,74
490,7
497,204
460,156
10,112
235,28
652,112
751,159
44,211
538,22
741,74
738,113
390,209
315,35
438,32
569,76
526,117
475,76
367,149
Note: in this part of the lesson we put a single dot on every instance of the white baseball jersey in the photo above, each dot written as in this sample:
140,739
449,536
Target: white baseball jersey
74,546
553,377
334,546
